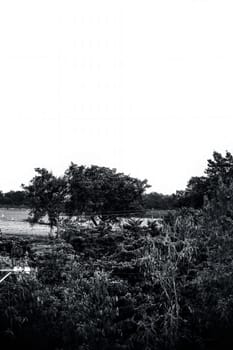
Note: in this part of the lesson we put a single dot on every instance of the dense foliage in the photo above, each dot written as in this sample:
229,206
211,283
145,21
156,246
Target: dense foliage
134,288
102,191
46,195
14,199
220,168
198,189
94,191
159,201
163,287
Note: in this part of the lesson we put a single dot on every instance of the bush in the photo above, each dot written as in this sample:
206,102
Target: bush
135,288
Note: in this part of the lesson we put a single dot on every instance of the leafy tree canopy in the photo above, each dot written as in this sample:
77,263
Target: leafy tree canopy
102,191
94,191
219,172
46,196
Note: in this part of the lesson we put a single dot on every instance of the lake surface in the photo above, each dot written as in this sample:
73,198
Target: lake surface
12,221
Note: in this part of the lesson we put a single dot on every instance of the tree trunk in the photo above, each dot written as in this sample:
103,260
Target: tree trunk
93,220
58,229
51,232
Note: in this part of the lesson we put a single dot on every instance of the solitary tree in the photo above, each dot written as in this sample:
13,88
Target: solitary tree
102,192
94,191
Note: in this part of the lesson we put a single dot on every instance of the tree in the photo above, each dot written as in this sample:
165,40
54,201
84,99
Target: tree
195,191
94,191
100,191
46,195
1,197
219,171
219,167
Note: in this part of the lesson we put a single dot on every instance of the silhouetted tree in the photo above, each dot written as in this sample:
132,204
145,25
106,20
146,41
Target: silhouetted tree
219,171
46,195
100,191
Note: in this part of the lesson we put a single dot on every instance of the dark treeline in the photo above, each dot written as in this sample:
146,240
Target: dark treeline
151,200
14,199
159,201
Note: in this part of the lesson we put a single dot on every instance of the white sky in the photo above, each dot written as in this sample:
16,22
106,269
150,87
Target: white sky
142,86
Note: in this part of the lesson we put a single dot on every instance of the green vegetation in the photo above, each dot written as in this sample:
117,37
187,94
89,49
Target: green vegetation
159,201
138,288
163,287
219,169
97,192
14,199
45,194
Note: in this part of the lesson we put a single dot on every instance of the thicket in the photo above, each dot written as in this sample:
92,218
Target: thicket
165,288
138,288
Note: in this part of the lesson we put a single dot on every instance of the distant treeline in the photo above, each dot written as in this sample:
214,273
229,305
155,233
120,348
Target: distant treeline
191,198
151,200
159,201
14,199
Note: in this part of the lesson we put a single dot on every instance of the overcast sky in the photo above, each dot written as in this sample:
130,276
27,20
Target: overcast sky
142,86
